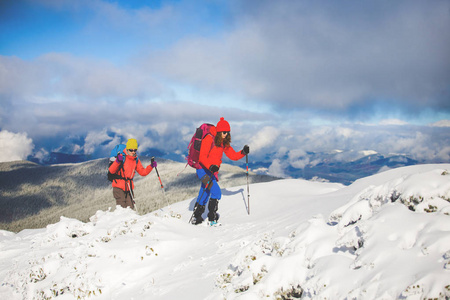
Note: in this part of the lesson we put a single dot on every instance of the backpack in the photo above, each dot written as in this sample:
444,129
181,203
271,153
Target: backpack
195,144
120,148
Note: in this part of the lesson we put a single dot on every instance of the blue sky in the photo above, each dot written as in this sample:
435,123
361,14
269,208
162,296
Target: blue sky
290,76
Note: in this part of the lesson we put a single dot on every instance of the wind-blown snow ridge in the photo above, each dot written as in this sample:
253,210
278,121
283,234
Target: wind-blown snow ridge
387,237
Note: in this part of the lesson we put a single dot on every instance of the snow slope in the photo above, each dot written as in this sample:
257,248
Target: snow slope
370,240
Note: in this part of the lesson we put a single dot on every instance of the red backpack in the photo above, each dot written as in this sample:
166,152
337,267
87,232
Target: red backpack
196,143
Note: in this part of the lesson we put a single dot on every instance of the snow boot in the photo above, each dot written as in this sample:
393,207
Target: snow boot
213,206
198,211
214,223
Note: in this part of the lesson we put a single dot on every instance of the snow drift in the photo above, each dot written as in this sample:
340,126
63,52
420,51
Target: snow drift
383,237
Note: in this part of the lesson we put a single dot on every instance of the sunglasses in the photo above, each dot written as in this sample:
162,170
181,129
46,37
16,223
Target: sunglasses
225,132
132,150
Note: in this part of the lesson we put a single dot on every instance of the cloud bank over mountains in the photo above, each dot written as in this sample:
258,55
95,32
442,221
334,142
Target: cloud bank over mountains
290,77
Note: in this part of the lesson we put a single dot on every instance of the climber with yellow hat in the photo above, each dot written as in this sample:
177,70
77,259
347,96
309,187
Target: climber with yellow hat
123,170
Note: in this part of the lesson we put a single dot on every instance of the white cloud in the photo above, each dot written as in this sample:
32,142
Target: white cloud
298,54
282,151
392,122
296,153
441,123
41,154
368,152
94,139
300,163
277,168
443,155
298,158
264,138
14,146
345,133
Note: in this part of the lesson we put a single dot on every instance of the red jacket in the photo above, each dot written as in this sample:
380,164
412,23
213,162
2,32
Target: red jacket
128,171
210,154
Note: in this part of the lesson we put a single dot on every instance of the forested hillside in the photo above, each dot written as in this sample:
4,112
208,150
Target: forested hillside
32,196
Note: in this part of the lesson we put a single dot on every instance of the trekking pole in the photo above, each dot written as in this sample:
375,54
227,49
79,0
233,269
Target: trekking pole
206,187
132,197
162,187
248,188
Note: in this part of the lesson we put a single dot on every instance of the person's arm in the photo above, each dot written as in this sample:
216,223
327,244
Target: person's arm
206,147
141,170
233,155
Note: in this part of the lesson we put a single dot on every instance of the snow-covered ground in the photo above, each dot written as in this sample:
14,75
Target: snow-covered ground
370,240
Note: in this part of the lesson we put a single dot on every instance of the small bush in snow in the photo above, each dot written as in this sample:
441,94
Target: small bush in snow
294,292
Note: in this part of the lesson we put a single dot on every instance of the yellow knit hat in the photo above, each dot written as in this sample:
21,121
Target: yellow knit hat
132,144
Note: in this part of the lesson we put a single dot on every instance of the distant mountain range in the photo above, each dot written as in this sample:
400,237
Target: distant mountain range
337,166
327,166
347,172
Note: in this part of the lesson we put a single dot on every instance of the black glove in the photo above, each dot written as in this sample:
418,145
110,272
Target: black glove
213,168
246,150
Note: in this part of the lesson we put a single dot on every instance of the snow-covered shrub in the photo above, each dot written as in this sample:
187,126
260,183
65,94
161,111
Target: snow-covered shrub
293,292
252,263
423,192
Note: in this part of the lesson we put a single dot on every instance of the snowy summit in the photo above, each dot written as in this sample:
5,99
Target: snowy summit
383,237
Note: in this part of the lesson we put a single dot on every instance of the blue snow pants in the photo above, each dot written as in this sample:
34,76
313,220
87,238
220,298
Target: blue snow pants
214,191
